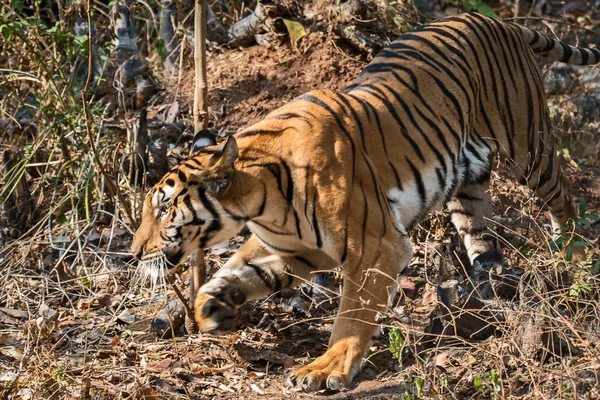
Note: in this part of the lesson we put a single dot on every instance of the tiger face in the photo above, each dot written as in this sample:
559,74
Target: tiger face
183,213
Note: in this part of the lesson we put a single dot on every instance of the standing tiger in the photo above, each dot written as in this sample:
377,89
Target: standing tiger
339,178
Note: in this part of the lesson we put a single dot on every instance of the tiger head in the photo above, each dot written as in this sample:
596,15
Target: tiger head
184,213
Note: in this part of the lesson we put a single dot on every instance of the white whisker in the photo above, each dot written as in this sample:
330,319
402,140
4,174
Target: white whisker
151,272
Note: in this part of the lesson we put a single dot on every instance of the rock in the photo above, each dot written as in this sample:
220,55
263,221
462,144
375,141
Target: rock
465,314
588,107
557,78
426,7
170,319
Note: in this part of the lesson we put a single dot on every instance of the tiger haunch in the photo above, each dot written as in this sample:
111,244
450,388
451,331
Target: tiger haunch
339,178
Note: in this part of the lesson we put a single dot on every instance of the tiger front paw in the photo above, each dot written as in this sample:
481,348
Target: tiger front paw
334,370
214,315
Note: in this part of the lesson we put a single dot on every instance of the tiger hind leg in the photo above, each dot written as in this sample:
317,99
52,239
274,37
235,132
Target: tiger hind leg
471,213
545,177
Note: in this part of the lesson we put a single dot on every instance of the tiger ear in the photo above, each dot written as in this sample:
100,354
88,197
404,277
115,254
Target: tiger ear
226,156
202,139
221,168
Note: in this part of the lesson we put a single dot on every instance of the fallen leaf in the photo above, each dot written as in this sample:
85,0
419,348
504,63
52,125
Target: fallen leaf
249,354
407,286
15,313
225,388
296,31
159,366
430,295
126,317
441,360
115,341
202,370
257,389
6,319
172,113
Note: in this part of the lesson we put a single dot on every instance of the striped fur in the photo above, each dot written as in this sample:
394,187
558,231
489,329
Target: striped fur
339,178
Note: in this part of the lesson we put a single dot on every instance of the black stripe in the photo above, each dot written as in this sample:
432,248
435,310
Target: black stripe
465,196
379,94
355,115
419,183
305,261
267,132
396,176
215,223
274,247
187,201
377,193
547,174
338,120
316,223
181,175
364,224
536,38
549,46
264,277
289,115
282,233
567,52
234,216
377,120
289,193
585,56
461,212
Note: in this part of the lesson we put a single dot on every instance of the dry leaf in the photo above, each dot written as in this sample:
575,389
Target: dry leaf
296,31
430,296
202,370
441,360
407,286
115,341
15,313
126,317
257,389
159,366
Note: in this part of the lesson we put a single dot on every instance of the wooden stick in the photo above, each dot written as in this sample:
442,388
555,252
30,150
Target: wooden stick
200,87
197,265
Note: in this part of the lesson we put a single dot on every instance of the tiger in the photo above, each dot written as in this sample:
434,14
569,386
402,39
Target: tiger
337,179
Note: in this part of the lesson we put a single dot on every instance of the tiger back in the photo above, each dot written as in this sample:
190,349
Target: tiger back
339,178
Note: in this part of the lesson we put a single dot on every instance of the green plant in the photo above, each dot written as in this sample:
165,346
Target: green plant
419,386
567,240
396,340
480,7
476,383
495,380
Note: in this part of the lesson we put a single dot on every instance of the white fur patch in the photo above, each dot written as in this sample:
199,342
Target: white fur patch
476,166
406,203
168,192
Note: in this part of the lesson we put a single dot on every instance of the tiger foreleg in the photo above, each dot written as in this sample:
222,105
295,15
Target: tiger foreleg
369,284
251,273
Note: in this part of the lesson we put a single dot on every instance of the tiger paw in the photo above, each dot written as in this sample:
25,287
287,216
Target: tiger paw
491,279
214,315
334,370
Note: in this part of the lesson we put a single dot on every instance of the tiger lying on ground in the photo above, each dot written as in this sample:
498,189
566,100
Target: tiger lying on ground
339,178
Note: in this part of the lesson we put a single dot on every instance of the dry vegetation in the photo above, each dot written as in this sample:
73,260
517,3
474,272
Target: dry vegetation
74,318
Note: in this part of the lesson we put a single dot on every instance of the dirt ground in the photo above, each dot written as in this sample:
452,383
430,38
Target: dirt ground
92,334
